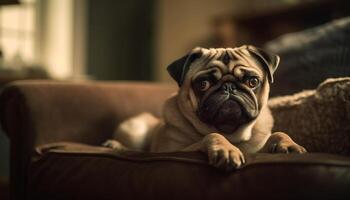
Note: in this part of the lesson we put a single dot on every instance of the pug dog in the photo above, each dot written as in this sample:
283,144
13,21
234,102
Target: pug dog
220,109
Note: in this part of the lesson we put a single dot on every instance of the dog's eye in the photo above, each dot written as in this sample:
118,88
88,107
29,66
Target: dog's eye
204,85
252,82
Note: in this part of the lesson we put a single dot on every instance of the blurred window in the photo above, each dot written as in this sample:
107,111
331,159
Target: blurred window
17,31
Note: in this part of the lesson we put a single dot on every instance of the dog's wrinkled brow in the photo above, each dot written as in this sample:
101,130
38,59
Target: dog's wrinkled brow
227,62
214,72
225,58
243,71
217,64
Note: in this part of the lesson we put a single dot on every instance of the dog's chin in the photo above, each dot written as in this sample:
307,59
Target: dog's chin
229,117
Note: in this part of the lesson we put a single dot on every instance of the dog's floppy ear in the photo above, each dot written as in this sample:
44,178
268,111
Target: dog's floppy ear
180,67
269,61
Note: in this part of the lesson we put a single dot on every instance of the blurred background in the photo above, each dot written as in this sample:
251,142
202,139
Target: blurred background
80,40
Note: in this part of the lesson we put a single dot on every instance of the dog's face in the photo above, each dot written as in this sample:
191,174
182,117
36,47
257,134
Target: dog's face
228,86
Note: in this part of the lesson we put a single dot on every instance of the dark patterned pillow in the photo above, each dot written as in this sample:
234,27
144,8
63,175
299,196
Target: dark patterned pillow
311,56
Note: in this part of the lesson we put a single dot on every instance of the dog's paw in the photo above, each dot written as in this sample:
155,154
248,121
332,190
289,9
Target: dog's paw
225,158
113,144
280,142
222,154
286,147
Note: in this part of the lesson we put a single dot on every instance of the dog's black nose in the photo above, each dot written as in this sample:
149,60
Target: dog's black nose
229,87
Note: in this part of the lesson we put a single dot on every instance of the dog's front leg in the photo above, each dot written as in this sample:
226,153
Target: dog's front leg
280,142
221,153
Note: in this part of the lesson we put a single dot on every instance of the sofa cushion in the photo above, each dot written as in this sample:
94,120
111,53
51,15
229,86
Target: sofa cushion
317,119
74,171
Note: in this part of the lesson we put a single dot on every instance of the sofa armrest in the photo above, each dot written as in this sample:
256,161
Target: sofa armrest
33,113
86,112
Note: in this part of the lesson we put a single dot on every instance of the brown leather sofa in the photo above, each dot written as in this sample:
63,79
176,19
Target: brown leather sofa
56,129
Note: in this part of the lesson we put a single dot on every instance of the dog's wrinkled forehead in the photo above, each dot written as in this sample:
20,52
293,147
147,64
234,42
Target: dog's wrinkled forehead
201,57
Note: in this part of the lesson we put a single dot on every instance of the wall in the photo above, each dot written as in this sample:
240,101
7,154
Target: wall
182,25
55,36
61,37
120,39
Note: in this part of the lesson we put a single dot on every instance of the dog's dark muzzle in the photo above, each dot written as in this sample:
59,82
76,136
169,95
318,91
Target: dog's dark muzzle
226,108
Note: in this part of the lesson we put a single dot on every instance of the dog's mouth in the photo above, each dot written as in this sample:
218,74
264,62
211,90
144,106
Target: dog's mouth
229,117
225,112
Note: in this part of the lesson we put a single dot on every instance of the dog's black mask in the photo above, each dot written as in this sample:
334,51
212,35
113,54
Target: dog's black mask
226,105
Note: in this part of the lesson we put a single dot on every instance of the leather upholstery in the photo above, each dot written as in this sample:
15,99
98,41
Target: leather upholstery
37,113
40,112
73,171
